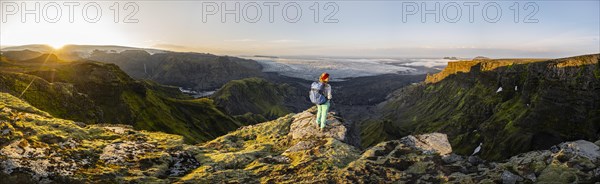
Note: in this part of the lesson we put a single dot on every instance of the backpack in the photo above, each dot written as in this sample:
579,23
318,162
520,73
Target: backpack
316,93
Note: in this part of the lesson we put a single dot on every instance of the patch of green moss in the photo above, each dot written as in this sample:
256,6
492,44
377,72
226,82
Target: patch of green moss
372,132
559,174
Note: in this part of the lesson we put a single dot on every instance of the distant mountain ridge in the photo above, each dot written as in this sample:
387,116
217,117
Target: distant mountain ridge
198,71
84,50
201,72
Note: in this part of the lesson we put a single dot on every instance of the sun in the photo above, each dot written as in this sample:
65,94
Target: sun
56,46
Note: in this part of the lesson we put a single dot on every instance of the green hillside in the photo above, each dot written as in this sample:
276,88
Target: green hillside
256,98
542,103
93,92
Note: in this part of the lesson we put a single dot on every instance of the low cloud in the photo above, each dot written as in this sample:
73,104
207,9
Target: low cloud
241,40
284,41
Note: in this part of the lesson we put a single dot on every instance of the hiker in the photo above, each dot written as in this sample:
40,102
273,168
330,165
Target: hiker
320,95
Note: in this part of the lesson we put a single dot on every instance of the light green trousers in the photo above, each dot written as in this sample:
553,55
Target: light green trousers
322,114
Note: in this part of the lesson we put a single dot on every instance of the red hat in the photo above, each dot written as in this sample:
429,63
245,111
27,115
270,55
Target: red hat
324,77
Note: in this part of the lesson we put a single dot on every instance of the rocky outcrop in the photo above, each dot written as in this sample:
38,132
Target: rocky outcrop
569,162
398,162
289,149
305,127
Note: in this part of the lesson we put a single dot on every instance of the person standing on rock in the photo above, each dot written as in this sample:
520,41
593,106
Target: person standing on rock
320,95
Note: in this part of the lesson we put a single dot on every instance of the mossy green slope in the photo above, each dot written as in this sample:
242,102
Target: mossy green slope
93,92
256,96
542,103
38,148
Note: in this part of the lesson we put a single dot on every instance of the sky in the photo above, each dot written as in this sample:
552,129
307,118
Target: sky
351,28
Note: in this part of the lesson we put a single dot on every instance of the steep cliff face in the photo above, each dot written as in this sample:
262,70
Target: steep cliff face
466,66
451,69
38,148
510,106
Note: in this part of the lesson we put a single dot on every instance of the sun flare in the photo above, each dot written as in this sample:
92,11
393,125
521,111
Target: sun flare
56,46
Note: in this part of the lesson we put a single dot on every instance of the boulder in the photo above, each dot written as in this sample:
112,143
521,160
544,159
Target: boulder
429,143
510,178
580,148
